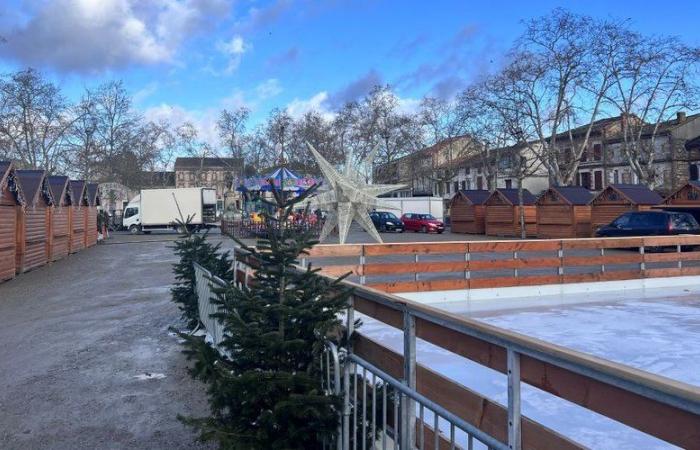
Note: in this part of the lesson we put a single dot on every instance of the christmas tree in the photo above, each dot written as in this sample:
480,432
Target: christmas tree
191,248
264,386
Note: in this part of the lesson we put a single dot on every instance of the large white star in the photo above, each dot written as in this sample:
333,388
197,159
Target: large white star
349,198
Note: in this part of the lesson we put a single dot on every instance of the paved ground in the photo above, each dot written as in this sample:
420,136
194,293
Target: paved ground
75,338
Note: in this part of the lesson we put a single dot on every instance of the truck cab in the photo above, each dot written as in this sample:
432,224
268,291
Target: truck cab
131,220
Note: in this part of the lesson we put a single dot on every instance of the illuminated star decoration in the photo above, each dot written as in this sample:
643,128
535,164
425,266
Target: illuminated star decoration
350,198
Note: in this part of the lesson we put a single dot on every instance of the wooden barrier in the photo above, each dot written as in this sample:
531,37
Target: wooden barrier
492,264
649,403
666,409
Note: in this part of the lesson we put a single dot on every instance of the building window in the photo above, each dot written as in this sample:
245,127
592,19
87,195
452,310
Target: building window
469,184
479,183
616,176
597,152
509,184
456,186
598,180
584,155
585,180
693,169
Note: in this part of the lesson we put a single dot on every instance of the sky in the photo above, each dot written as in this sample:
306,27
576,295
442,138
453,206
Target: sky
188,59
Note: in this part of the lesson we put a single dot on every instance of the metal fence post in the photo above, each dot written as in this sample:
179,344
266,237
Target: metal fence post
514,437
408,405
350,328
515,269
362,264
679,250
642,264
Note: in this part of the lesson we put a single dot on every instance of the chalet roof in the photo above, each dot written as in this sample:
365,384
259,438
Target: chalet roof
638,194
194,163
574,195
512,196
31,182
78,192
58,185
476,196
92,194
692,184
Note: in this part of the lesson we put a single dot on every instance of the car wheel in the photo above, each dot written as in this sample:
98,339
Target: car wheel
401,230
134,229
423,229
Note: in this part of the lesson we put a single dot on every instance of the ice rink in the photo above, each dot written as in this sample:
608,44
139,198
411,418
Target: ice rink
656,330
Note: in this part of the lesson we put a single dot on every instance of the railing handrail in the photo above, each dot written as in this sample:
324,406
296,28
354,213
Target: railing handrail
552,353
655,393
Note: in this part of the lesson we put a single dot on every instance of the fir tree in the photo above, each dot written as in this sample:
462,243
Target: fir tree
191,248
265,388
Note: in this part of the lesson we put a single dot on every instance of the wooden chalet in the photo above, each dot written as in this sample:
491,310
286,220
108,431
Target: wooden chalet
93,199
686,199
503,213
468,211
33,225
564,212
78,212
11,200
59,217
617,199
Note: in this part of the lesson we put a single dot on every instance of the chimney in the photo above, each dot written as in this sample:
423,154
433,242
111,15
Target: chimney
680,117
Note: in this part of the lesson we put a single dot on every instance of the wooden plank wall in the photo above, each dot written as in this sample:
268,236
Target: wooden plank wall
504,220
77,240
481,264
90,226
35,235
467,218
60,232
8,230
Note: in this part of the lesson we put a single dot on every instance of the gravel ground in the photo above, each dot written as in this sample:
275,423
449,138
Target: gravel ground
86,359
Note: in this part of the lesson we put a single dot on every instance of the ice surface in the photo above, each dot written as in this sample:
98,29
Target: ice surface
645,330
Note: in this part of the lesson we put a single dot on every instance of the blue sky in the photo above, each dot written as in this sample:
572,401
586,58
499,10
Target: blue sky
186,59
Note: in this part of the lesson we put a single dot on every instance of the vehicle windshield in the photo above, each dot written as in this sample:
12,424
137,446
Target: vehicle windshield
389,216
427,216
648,220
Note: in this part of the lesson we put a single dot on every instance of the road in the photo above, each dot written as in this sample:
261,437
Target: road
86,359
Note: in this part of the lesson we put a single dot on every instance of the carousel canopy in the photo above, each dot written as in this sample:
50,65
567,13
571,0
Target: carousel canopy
282,177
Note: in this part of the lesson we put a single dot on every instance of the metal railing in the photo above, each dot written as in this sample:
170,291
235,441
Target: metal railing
204,281
624,394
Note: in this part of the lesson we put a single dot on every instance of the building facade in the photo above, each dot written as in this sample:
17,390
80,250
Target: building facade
676,156
216,173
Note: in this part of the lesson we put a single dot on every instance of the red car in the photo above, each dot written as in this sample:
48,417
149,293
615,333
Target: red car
422,222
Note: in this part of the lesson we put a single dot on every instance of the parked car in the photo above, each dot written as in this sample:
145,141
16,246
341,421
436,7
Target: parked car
650,223
386,221
424,223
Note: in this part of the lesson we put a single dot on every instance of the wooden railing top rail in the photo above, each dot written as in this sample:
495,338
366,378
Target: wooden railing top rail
446,247
530,262
656,405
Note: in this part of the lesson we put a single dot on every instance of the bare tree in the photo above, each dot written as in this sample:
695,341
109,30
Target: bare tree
34,120
444,128
393,132
486,127
653,78
187,142
84,156
117,125
557,80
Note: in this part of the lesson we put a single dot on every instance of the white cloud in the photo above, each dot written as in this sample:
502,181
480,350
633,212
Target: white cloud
203,120
298,107
98,35
233,50
268,89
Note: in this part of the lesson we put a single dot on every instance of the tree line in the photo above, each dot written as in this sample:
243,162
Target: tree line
564,72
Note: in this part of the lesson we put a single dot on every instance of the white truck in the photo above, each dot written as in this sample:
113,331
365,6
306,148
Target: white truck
160,209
